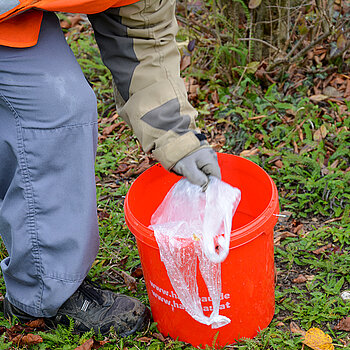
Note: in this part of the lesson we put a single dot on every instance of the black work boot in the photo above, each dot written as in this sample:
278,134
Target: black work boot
93,308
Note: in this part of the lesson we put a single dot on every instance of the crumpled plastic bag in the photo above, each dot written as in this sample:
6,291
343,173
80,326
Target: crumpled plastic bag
189,226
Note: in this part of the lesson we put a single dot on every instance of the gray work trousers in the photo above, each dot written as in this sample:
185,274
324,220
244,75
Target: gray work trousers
48,137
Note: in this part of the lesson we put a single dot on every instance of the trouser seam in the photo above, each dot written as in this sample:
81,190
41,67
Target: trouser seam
29,198
69,126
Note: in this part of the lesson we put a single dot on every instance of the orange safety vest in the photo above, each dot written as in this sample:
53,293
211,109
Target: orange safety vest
20,26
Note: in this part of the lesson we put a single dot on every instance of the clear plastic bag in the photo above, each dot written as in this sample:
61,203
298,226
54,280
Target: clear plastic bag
190,226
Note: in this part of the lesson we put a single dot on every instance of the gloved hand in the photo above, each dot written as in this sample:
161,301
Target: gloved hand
197,167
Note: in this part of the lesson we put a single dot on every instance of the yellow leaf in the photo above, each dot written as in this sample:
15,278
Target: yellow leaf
341,42
253,4
252,67
320,133
316,339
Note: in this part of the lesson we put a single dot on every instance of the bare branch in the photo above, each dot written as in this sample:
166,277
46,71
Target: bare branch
260,41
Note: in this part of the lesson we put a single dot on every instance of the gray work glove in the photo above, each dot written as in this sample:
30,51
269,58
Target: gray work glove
197,167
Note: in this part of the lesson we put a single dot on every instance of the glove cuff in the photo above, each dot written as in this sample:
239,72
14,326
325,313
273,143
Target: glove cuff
177,148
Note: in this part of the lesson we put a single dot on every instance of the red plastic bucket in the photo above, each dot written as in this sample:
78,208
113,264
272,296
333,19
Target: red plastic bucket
247,273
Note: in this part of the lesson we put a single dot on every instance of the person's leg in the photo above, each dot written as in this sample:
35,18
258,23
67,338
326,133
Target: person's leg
48,137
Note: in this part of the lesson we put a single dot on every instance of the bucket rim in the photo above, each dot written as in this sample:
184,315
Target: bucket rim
239,236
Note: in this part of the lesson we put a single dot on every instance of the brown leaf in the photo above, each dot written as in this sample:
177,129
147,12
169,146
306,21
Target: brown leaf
38,323
332,92
185,62
320,133
347,90
129,281
249,152
341,42
14,330
29,339
318,98
215,97
343,325
283,235
99,343
144,165
300,279
87,345
102,214
137,273
75,20
65,24
298,228
122,168
144,339
279,164
294,328
159,336
322,249
109,129
123,261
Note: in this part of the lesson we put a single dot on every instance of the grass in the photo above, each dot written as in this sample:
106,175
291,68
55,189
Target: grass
302,145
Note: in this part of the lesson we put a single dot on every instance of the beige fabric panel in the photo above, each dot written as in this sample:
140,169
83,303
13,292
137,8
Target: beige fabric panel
156,80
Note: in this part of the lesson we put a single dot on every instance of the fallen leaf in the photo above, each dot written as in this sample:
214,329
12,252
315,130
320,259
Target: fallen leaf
129,281
65,24
252,67
28,339
322,249
318,98
75,20
249,152
332,92
347,90
280,324
294,328
185,62
300,279
253,4
309,277
122,168
123,261
320,133
341,42
109,129
316,339
144,165
298,228
102,214
144,339
86,346
279,164
159,336
38,323
99,343
343,325
137,273
280,236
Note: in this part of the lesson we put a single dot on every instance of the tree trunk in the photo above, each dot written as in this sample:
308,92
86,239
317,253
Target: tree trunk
269,23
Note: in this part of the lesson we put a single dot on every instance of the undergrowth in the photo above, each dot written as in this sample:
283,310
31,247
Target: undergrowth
303,145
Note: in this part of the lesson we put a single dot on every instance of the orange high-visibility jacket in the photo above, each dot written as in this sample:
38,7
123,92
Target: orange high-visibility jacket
20,26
